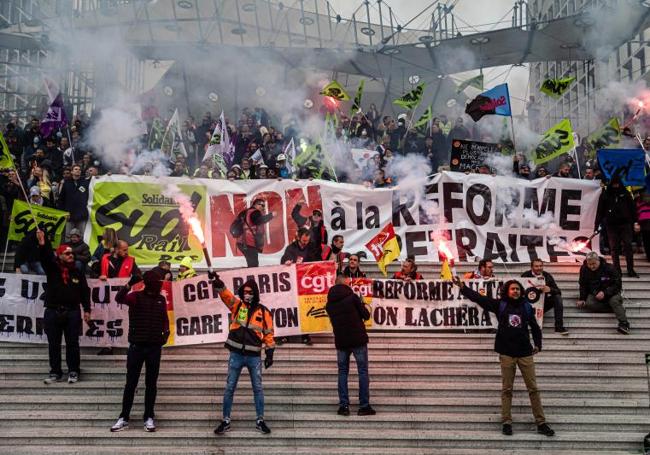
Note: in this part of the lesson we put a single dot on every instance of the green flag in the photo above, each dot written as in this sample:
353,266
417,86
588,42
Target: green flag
335,90
609,135
356,103
6,162
425,118
555,88
476,82
411,99
22,221
557,141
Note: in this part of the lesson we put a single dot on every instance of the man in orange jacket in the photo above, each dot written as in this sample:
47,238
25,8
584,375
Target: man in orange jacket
251,330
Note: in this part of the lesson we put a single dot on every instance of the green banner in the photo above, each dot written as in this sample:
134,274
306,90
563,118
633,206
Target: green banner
557,141
22,221
148,219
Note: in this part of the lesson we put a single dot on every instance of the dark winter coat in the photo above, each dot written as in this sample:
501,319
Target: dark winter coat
347,313
148,321
605,278
616,207
74,198
513,335
59,294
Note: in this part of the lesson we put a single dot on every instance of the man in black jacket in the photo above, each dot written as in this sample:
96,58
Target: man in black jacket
516,317
600,290
148,332
66,290
347,313
299,250
617,211
552,293
74,200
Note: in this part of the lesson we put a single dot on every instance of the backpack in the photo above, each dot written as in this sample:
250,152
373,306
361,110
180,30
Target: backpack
237,225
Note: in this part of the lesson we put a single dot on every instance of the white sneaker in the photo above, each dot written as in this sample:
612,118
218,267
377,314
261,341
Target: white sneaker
120,425
73,377
149,425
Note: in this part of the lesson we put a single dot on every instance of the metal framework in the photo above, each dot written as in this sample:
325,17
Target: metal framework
370,44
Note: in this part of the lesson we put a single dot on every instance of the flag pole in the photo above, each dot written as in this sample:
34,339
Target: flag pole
4,258
512,129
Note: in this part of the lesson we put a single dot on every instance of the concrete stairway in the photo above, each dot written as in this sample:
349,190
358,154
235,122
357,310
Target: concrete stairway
435,393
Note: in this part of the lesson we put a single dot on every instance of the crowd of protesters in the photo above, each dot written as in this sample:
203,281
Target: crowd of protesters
56,172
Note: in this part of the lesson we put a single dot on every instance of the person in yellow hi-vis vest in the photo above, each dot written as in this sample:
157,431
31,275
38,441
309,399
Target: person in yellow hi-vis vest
251,330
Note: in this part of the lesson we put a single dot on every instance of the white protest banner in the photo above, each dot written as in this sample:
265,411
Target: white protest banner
500,218
434,305
296,295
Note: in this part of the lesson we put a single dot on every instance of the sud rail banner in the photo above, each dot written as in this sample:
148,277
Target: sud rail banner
296,295
499,218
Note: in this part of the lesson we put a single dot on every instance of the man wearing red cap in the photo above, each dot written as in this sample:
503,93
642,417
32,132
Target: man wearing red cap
66,290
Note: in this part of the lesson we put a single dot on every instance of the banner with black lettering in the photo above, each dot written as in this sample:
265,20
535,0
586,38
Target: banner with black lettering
436,304
296,296
500,218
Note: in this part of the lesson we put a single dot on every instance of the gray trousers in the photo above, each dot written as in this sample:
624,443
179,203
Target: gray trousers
614,303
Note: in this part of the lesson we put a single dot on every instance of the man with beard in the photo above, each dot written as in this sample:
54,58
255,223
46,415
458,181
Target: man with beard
516,318
66,290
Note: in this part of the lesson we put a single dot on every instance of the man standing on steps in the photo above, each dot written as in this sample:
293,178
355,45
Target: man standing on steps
516,316
66,290
251,330
148,332
600,290
347,313
552,293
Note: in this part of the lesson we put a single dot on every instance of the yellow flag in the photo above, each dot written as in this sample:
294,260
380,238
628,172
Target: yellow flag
445,271
335,90
411,99
609,135
6,162
557,141
384,247
555,88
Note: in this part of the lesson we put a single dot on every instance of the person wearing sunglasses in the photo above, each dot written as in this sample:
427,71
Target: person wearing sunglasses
66,290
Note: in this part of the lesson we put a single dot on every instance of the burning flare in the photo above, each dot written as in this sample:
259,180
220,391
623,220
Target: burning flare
188,213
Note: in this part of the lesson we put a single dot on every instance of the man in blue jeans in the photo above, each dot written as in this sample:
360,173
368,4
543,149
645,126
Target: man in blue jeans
347,313
251,330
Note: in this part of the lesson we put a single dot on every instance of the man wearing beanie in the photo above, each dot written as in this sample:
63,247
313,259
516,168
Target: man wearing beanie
148,332
66,290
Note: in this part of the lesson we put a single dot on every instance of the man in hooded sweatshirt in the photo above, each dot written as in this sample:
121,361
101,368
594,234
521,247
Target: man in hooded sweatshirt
251,331
66,290
148,332
347,314
516,318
